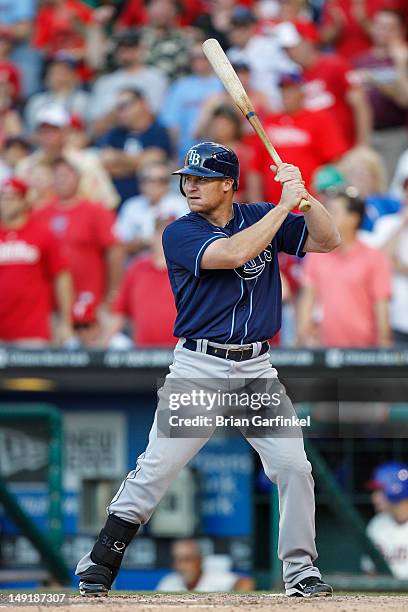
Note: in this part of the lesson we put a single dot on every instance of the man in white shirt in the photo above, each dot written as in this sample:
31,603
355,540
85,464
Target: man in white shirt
390,234
136,220
190,575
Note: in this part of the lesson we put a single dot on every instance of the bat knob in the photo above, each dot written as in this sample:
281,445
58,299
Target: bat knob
304,206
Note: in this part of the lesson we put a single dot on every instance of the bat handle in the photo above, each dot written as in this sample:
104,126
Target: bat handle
253,119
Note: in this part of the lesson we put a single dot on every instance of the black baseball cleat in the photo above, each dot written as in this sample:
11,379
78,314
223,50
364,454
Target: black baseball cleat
96,581
310,587
87,589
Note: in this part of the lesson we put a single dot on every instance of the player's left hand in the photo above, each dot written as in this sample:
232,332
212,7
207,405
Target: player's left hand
287,172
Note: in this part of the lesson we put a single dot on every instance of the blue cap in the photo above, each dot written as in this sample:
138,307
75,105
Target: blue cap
392,479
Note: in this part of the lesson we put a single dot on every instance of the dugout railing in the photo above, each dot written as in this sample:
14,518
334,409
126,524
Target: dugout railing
47,543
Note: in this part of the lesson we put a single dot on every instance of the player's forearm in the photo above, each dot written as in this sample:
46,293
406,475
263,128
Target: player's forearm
323,233
245,245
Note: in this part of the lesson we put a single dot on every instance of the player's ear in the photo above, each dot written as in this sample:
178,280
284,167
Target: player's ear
228,184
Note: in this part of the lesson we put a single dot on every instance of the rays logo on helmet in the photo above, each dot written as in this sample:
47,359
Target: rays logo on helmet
194,158
254,267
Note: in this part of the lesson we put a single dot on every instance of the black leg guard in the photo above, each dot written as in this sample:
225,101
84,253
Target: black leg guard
111,544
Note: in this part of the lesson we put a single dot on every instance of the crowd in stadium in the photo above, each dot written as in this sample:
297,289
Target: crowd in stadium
99,102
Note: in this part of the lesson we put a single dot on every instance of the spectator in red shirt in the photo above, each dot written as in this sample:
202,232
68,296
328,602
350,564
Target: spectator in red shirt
308,139
85,231
352,286
152,313
346,25
383,70
329,85
60,26
31,266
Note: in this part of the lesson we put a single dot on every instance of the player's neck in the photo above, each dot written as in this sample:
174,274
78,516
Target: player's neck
221,215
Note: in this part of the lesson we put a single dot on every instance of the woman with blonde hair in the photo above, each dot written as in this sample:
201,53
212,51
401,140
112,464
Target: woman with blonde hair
364,170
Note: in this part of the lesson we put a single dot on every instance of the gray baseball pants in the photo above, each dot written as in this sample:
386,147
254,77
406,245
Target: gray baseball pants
283,459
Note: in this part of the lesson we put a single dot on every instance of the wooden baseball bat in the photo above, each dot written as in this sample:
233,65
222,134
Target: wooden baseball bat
229,78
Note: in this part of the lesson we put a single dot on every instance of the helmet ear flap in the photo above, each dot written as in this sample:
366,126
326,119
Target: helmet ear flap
181,186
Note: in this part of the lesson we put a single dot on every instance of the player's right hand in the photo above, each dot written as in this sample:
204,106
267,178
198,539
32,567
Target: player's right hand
292,193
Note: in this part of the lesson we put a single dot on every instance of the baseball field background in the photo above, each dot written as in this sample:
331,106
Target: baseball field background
72,425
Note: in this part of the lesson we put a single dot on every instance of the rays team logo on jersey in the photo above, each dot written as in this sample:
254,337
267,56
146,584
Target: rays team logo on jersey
254,267
194,158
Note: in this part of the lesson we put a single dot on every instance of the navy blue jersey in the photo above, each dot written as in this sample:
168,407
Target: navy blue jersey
133,142
228,306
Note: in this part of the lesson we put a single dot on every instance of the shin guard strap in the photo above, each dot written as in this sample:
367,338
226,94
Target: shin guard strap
112,542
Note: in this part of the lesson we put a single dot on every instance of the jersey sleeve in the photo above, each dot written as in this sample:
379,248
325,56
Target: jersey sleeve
292,235
185,244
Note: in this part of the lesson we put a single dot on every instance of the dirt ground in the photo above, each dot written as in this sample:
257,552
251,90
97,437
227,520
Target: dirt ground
220,602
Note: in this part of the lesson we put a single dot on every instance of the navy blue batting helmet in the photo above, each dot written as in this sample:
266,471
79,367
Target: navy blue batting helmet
392,479
212,160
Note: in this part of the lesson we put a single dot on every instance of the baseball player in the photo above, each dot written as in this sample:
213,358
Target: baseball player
222,261
388,529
